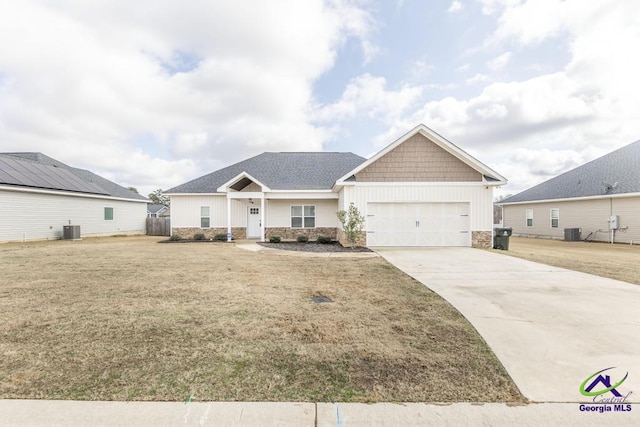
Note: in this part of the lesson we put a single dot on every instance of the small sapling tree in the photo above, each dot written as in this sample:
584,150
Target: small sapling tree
352,223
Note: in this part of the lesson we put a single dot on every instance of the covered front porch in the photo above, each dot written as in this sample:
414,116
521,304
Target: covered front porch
283,213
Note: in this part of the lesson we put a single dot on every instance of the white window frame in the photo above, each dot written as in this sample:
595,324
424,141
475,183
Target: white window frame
303,216
113,213
556,217
203,216
528,216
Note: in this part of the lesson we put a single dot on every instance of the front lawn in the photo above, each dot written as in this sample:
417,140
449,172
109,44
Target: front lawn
617,261
125,318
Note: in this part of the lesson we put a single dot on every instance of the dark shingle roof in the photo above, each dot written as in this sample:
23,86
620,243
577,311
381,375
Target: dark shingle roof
154,209
39,171
615,173
280,171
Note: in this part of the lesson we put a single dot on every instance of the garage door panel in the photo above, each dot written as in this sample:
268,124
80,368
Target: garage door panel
418,224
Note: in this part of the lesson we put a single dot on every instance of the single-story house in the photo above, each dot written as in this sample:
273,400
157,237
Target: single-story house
421,190
599,201
157,211
40,196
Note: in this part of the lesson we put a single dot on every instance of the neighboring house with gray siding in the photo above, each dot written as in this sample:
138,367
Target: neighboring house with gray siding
421,190
600,198
41,195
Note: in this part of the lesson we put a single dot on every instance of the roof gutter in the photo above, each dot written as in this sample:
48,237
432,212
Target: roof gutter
69,193
572,199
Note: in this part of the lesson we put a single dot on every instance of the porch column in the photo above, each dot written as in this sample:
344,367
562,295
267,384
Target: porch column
228,219
262,226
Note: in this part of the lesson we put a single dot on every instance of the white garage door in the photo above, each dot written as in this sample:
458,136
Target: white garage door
418,224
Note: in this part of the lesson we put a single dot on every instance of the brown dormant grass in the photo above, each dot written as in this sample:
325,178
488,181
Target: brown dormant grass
616,261
131,319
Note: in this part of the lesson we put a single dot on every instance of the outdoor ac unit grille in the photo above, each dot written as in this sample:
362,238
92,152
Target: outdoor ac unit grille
71,232
572,234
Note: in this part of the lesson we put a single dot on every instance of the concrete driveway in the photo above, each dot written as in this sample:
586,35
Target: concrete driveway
551,328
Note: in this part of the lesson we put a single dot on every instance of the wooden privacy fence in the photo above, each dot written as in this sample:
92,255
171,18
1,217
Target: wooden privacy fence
158,226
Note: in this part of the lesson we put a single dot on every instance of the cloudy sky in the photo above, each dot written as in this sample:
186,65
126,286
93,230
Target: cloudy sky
153,93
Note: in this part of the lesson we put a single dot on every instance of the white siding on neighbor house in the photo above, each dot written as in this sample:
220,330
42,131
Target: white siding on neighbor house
278,213
480,198
591,216
40,216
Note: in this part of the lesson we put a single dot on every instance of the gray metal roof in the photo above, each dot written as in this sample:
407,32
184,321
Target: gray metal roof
280,171
615,173
36,170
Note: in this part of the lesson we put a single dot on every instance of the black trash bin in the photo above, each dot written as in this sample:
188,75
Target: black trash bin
501,238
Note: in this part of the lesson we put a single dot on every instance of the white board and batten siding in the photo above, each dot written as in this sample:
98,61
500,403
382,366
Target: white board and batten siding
185,211
41,215
422,215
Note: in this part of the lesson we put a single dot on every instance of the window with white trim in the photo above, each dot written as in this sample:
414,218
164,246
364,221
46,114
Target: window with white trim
529,217
108,214
303,216
205,217
555,217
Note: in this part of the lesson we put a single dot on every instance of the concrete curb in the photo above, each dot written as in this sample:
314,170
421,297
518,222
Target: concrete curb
240,414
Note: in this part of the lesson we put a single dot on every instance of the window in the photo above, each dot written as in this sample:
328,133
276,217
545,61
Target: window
205,218
254,211
555,217
529,216
303,216
108,214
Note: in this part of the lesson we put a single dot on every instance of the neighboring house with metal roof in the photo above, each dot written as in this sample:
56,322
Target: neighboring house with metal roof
41,195
421,190
599,200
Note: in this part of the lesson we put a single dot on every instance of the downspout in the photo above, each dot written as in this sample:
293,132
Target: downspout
228,219
262,218
613,232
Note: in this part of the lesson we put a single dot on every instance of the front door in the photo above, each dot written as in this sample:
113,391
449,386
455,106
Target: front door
253,222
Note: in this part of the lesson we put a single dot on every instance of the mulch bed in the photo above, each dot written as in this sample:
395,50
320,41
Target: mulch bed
313,247
192,241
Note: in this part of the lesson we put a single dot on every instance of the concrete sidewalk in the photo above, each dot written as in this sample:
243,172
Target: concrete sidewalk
239,414
550,327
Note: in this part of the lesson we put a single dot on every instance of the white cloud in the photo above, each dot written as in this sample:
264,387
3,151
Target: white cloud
478,78
500,61
420,70
367,95
456,6
534,129
489,7
212,81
